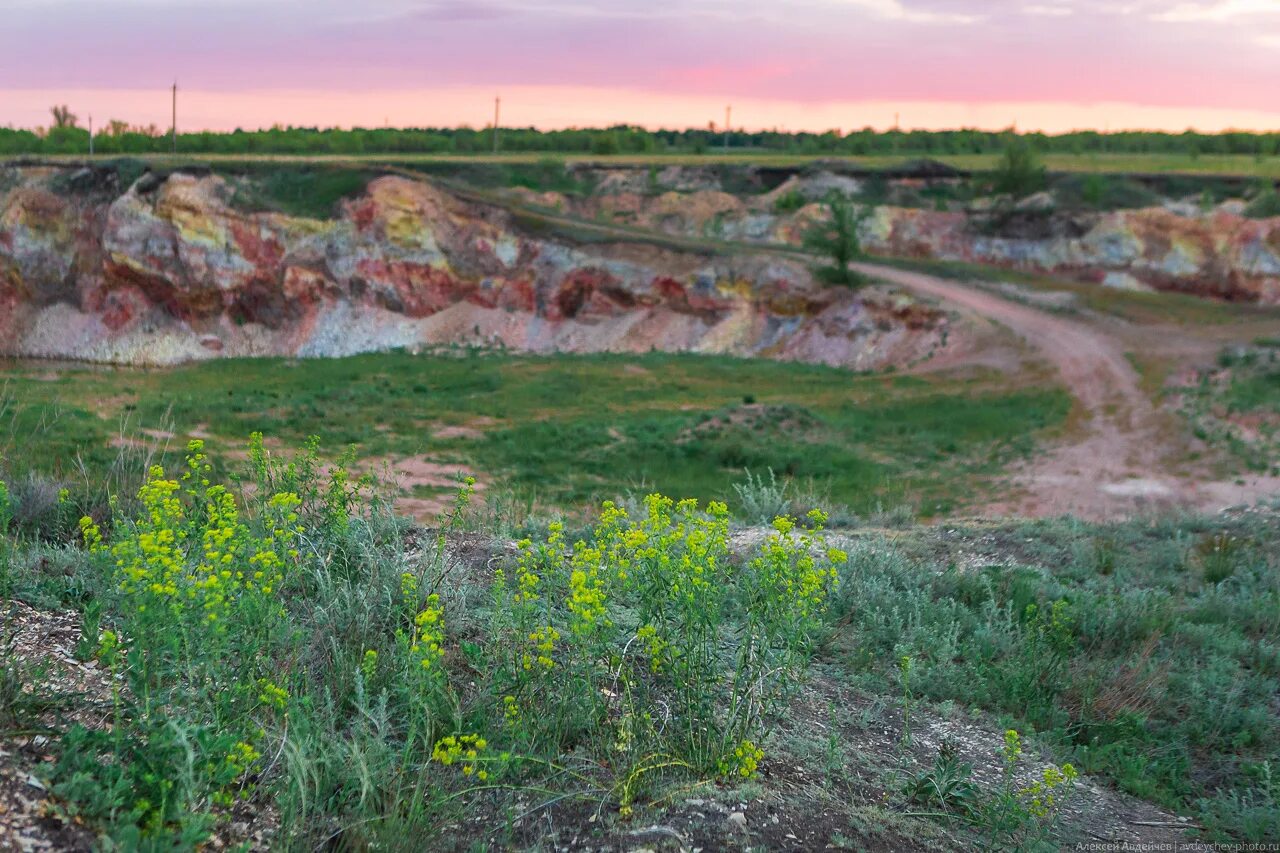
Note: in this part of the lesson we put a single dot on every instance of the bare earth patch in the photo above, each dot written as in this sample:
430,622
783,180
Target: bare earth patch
418,473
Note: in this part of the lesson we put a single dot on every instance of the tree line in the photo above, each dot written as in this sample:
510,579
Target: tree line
67,135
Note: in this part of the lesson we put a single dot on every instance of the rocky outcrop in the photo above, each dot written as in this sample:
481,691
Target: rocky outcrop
174,270
1219,253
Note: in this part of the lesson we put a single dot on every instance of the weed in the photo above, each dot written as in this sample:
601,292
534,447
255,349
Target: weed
6,546
282,645
904,682
762,501
1219,553
1251,815
946,785
1017,813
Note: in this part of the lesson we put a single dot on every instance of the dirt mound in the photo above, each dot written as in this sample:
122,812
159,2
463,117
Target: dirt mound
796,422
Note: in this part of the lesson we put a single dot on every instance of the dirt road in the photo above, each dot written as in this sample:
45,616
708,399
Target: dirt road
1121,459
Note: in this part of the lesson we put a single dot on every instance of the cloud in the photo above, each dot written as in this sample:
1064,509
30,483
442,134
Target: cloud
896,10
1219,10
1048,11
801,51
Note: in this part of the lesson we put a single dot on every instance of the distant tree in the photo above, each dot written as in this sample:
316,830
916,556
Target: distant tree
630,139
1020,172
63,117
605,142
837,238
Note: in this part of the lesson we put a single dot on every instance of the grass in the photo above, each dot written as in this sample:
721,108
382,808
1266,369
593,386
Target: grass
569,429
1132,647
1237,404
308,192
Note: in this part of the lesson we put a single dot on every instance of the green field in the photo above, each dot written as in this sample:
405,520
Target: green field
1170,164
562,430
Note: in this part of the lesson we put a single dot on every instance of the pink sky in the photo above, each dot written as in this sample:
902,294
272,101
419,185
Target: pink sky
818,64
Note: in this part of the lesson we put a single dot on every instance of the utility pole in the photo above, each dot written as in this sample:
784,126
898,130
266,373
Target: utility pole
497,102
91,135
727,112
174,126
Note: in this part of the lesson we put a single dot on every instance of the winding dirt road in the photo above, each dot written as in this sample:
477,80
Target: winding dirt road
1121,460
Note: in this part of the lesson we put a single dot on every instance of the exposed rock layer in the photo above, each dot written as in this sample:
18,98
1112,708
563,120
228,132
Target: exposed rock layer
1215,253
171,270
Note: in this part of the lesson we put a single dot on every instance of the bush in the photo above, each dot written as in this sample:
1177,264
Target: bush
1103,192
762,501
1265,203
1020,172
788,202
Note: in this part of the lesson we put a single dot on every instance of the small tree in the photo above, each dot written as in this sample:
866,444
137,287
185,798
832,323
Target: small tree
837,238
63,117
1020,172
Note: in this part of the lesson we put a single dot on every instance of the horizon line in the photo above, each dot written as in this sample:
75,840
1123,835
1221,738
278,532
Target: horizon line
564,108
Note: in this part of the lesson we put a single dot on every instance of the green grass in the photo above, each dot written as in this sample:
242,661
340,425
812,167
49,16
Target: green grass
1237,404
569,429
1259,392
300,191
1157,674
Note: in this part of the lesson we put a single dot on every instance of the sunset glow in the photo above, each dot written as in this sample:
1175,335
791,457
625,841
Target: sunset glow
1053,65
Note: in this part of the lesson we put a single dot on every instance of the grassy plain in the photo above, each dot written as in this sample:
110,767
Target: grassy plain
565,430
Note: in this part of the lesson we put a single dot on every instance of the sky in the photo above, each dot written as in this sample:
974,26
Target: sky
1051,65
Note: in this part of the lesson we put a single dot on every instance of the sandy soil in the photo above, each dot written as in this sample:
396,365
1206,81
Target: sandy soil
1122,456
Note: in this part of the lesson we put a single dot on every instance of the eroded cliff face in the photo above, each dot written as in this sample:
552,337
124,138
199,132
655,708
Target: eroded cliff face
171,270
1217,253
